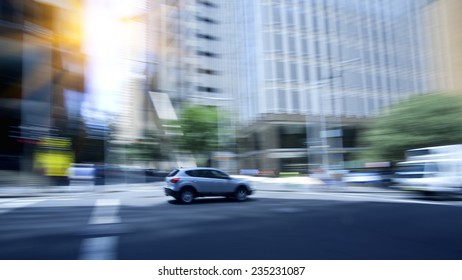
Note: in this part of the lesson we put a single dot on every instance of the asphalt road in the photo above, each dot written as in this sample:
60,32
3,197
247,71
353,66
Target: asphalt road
144,224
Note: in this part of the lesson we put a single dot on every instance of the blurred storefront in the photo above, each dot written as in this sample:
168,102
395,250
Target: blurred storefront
40,61
290,144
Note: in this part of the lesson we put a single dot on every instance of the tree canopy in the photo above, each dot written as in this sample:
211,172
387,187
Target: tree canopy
199,128
420,121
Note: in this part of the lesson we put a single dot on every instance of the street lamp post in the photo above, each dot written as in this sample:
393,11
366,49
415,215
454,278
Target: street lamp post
343,95
322,121
322,115
325,159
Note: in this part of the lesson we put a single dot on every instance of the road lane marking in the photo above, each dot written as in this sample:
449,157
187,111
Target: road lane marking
98,220
3,201
107,202
102,248
17,203
99,248
369,197
105,212
379,198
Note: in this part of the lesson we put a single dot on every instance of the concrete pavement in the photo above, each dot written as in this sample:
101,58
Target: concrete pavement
303,183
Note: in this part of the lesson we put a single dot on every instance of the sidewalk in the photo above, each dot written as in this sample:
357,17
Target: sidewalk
37,191
289,184
21,184
297,184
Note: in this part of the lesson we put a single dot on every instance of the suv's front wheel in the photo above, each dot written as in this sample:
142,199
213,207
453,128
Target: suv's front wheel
186,196
241,194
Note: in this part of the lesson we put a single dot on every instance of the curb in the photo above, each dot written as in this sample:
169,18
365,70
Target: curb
15,192
260,186
327,189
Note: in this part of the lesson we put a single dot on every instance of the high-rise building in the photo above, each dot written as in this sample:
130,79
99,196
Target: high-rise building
41,63
301,76
442,23
312,71
192,51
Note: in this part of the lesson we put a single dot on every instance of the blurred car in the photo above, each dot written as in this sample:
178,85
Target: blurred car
431,177
155,175
82,172
363,178
185,184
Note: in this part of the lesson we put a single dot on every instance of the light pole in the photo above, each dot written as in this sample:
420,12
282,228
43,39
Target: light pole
343,96
322,116
322,121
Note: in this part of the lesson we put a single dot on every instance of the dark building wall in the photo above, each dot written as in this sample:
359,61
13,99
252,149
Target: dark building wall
34,52
11,61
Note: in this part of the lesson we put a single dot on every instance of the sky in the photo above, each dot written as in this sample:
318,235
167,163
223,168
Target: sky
104,45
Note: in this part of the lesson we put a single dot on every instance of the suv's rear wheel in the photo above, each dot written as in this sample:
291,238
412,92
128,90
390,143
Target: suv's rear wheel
241,194
186,196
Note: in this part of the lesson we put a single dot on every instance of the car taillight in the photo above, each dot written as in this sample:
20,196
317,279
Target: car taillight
175,180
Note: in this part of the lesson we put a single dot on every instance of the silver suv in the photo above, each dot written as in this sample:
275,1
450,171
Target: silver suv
185,184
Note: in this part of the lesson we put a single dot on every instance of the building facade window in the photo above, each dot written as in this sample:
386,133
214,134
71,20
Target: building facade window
268,70
295,101
206,19
207,37
293,71
267,41
305,51
282,100
205,53
306,73
266,14
278,43
290,18
277,15
207,89
280,71
207,3
292,48
207,71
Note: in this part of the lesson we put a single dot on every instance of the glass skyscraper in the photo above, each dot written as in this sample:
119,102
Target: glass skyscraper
316,69
300,75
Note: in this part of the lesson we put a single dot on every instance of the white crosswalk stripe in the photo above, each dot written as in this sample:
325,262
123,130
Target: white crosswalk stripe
102,248
13,204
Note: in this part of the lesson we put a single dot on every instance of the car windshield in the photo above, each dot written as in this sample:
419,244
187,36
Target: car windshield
411,170
416,167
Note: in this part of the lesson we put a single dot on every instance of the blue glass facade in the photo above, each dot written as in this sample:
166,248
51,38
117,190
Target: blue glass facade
366,54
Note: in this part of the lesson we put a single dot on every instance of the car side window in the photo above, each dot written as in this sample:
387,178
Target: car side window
197,173
173,173
207,174
218,174
204,173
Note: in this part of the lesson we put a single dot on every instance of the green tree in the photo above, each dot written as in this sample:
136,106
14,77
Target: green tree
420,121
147,148
199,128
204,129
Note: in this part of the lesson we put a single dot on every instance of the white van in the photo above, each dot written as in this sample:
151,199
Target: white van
435,169
430,175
